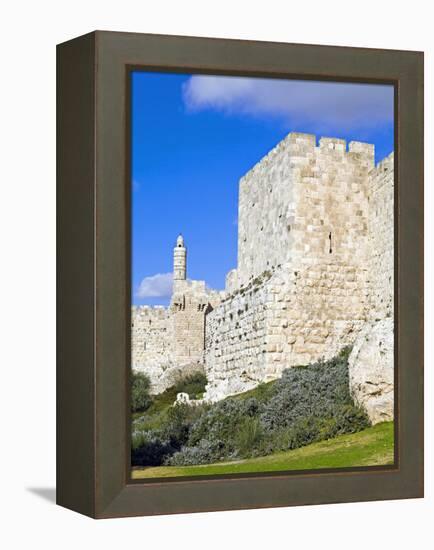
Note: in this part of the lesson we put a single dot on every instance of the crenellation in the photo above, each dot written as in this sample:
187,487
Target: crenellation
333,144
305,188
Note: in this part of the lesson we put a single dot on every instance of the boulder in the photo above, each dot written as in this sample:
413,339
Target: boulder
371,370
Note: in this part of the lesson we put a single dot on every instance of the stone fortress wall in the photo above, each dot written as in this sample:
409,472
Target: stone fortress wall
300,201
191,302
315,226
372,358
169,342
314,274
380,239
152,341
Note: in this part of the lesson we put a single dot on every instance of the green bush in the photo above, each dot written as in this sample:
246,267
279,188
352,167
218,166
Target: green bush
225,430
249,436
162,434
178,421
262,392
305,405
203,453
150,450
320,391
220,423
140,396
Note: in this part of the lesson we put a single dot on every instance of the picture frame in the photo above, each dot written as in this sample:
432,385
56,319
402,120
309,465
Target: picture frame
94,288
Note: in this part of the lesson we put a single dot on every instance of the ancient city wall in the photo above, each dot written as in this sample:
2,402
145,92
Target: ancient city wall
188,308
381,239
235,343
314,274
151,340
281,319
307,218
371,363
168,343
301,201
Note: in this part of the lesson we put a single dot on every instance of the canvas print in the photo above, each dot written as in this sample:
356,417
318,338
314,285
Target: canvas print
262,318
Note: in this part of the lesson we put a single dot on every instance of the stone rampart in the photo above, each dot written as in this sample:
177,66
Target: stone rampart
314,274
315,261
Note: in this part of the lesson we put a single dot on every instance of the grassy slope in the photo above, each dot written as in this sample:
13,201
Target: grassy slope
370,447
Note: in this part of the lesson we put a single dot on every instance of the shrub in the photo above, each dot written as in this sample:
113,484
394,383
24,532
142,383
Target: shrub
318,390
203,453
150,450
249,436
262,392
221,420
217,431
178,421
306,404
164,434
140,396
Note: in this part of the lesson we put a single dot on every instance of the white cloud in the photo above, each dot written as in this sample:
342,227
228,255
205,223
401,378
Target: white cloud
332,104
156,286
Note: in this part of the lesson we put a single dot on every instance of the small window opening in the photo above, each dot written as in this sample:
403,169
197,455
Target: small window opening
330,247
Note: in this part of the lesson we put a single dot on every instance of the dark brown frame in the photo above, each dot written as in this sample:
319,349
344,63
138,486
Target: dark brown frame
94,274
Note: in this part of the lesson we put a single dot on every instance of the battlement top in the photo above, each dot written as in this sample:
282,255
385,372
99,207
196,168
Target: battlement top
298,144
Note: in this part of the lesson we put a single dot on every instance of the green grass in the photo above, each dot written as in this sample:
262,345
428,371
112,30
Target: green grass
370,447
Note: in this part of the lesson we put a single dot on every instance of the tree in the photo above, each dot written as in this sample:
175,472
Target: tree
140,396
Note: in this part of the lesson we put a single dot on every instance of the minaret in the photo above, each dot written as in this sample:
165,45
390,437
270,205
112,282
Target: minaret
179,260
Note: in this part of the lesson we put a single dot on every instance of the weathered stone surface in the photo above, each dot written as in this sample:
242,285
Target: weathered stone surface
315,261
274,323
371,370
168,343
170,374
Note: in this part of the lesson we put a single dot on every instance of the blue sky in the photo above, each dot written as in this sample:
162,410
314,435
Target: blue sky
194,136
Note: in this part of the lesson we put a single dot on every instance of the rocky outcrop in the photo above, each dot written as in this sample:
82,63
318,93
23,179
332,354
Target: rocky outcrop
371,370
